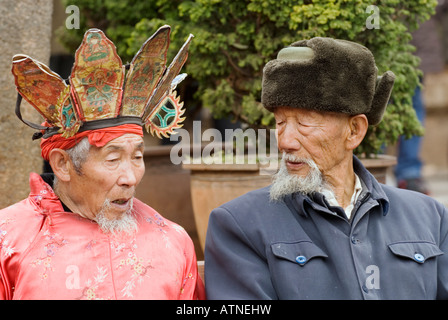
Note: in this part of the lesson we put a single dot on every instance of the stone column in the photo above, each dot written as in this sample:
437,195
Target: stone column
25,27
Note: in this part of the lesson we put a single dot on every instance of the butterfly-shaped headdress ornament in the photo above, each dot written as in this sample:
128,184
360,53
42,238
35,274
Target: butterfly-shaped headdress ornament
101,92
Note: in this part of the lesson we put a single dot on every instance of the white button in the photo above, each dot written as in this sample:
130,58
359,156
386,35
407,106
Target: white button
419,258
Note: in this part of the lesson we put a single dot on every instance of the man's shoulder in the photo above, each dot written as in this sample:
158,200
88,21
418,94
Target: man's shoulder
254,206
18,212
251,199
407,195
416,201
19,223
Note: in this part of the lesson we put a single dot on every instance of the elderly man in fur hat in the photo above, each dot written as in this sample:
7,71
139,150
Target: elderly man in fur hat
81,233
326,228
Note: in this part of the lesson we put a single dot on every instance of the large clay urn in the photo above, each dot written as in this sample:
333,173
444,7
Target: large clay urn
215,184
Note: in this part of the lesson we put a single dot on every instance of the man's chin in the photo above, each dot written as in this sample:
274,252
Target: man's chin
116,213
301,174
115,219
286,181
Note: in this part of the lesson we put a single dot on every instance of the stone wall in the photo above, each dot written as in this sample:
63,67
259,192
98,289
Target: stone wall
25,27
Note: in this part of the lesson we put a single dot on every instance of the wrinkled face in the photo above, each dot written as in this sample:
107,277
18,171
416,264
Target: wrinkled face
109,175
311,135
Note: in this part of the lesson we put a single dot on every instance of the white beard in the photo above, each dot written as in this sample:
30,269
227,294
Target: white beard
284,183
126,223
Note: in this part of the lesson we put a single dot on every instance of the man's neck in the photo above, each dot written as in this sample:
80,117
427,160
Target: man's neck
341,180
62,194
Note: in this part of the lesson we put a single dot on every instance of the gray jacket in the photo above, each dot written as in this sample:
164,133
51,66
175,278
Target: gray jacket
393,248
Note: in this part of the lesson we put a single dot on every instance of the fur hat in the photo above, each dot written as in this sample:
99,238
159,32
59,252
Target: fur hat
325,74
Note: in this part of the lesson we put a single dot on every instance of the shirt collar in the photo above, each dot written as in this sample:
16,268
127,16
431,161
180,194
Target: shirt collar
49,179
372,185
332,201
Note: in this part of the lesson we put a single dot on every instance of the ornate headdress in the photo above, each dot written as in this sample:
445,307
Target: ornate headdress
100,93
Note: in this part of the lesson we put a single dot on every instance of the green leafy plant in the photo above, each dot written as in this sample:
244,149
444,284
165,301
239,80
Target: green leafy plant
235,39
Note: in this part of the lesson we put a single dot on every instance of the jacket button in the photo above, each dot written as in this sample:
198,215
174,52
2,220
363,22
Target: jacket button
354,240
301,260
419,258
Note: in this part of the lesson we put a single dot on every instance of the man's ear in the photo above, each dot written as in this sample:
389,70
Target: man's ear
358,126
60,163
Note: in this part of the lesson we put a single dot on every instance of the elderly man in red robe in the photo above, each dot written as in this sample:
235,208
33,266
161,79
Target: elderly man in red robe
81,233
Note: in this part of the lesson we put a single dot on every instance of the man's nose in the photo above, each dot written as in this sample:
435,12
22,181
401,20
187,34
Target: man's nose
128,175
288,139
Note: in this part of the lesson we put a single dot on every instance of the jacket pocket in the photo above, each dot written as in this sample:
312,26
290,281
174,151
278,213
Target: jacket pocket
299,252
418,251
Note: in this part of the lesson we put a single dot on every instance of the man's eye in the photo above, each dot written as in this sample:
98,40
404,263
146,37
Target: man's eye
304,124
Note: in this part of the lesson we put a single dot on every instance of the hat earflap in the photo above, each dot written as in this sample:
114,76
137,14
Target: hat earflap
384,86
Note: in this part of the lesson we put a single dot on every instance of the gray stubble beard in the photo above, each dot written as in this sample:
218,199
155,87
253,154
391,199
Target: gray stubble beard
125,224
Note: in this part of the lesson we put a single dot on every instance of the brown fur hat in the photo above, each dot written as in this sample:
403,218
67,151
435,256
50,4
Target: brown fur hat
325,74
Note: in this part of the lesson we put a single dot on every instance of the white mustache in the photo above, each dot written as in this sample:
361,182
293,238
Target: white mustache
294,158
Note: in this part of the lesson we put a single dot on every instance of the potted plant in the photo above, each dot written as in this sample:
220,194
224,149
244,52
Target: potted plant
235,39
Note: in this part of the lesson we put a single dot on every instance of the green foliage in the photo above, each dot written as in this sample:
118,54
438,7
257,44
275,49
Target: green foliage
234,40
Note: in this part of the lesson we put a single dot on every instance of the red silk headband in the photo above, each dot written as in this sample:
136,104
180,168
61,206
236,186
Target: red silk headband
98,138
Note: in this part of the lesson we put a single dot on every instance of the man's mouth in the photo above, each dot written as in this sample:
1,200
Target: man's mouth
295,164
121,201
